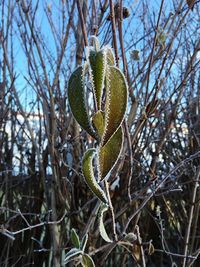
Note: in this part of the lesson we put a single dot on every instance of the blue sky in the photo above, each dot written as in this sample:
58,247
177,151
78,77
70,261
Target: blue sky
133,29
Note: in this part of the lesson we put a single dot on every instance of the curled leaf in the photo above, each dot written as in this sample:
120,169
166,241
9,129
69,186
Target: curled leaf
96,43
109,153
75,238
98,66
87,261
73,254
76,91
116,101
89,175
102,229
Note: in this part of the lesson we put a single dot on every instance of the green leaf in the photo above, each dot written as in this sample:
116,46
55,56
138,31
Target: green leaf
76,95
72,255
116,101
98,121
109,153
75,238
110,57
89,175
102,229
87,261
84,242
98,66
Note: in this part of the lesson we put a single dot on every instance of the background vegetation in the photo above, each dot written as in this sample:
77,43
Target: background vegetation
43,194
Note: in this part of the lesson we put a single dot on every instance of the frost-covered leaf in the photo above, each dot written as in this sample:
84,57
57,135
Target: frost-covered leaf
87,261
89,175
116,101
98,66
110,57
102,229
75,238
76,95
109,153
95,43
130,237
98,121
72,255
84,242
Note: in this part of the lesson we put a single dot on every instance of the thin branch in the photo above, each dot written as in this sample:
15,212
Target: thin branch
82,23
152,51
112,17
111,209
11,234
194,193
141,246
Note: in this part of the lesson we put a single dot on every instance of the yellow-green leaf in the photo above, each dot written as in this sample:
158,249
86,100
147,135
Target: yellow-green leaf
151,249
109,153
87,261
89,175
98,121
110,57
76,96
116,101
